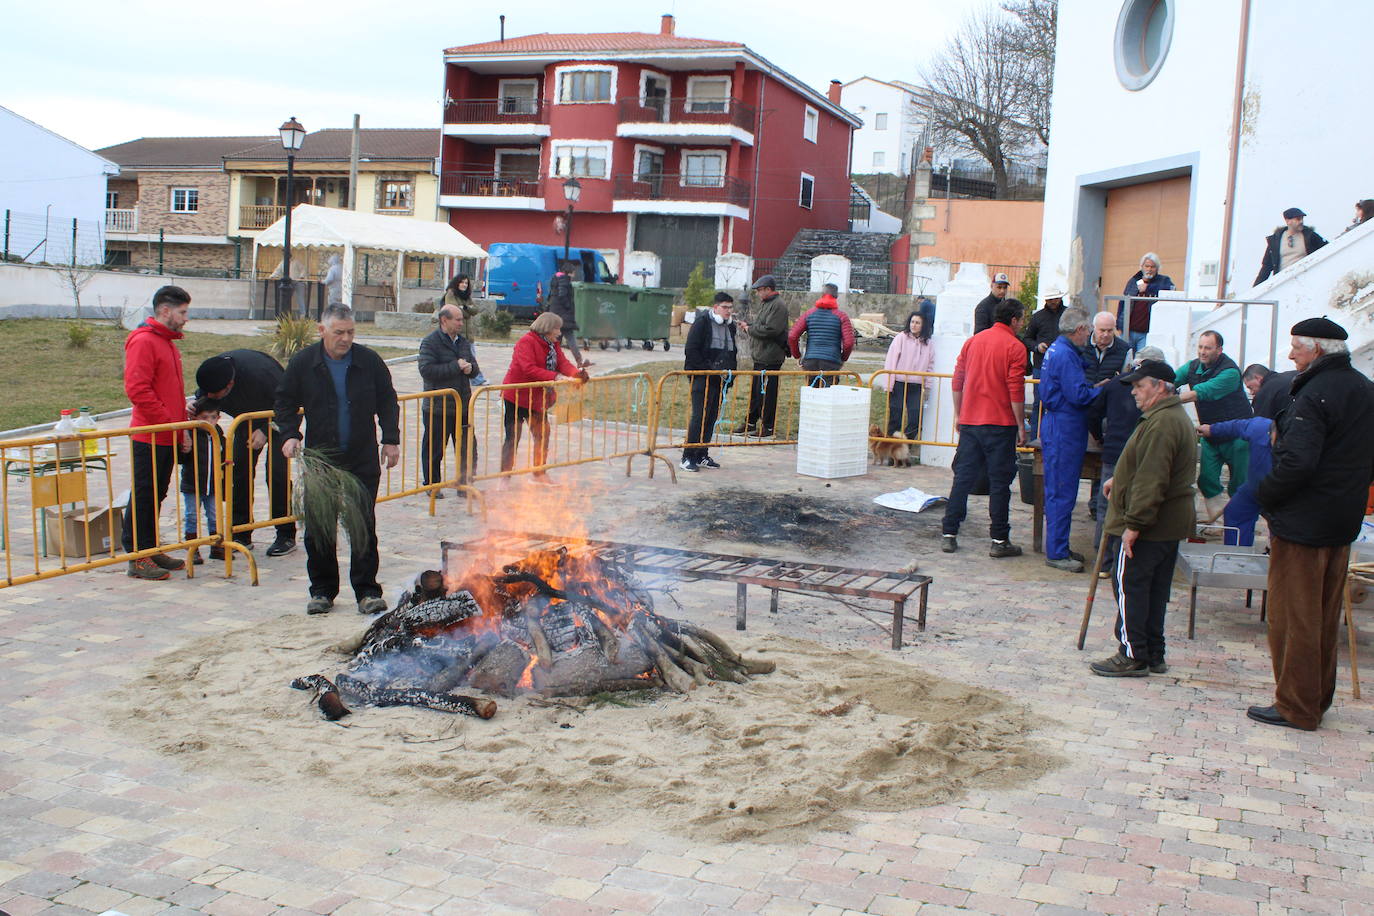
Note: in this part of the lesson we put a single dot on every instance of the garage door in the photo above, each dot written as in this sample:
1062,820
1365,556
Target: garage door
681,241
1152,216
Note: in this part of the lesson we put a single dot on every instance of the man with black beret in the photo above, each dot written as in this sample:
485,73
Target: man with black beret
1314,500
1150,507
1288,245
245,381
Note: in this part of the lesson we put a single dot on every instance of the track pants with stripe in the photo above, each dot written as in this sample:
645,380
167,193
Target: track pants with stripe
1141,583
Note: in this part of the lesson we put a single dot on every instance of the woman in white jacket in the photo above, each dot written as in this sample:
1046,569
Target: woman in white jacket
911,351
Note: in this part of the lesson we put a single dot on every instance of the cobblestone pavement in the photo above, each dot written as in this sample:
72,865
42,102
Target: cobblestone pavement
1169,800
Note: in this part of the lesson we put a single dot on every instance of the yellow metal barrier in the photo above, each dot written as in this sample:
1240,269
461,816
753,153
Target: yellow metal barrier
895,411
85,537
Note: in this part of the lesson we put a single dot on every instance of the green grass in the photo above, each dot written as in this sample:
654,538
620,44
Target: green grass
40,374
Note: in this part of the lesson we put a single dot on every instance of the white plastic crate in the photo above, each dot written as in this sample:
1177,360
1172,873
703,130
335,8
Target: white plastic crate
832,469
832,434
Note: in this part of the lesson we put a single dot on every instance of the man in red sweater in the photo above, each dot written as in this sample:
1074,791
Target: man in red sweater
989,387
153,383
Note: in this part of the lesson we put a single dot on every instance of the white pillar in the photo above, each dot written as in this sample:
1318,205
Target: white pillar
734,271
349,256
830,268
646,261
400,273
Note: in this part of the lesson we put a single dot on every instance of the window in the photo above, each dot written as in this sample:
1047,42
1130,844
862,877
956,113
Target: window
880,158
117,258
519,96
111,200
185,200
708,93
703,170
648,164
585,85
880,121
1143,31
812,124
808,190
395,194
580,160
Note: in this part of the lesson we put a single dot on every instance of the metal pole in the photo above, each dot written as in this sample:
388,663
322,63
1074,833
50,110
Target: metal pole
73,241
353,156
1237,106
238,258
7,235
285,305
567,232
161,249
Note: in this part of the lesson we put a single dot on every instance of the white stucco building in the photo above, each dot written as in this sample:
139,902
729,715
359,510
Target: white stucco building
893,119
46,181
1144,92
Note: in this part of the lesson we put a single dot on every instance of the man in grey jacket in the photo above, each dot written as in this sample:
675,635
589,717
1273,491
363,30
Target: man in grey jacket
447,360
768,337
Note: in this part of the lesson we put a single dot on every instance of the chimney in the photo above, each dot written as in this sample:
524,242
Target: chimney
666,25
835,88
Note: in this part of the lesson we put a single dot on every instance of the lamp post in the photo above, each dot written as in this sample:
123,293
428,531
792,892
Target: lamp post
292,136
572,189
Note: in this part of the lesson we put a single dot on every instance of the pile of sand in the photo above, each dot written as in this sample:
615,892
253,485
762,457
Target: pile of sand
832,731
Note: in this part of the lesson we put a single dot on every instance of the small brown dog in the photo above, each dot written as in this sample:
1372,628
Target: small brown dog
889,454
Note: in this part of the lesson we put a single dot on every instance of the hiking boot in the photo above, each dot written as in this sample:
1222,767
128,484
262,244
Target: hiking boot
1120,666
217,551
1159,666
165,562
1073,555
281,547
318,604
1001,549
708,462
1068,564
689,465
949,543
372,604
195,557
439,494
144,568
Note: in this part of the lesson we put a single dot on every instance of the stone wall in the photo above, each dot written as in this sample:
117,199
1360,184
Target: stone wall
155,203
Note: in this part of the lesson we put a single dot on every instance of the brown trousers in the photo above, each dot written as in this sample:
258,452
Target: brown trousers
1306,603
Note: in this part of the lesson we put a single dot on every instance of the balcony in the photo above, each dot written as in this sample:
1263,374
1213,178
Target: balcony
664,192
687,120
483,189
254,218
496,120
121,220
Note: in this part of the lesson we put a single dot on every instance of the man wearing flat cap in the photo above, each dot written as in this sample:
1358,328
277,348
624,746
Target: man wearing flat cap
244,381
768,339
1314,500
1288,245
1150,507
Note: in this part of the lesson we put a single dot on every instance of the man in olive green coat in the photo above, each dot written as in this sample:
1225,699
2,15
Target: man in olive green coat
1150,506
768,338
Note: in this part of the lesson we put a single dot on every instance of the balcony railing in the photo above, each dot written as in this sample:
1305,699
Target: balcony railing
259,217
496,111
121,220
696,188
477,183
688,110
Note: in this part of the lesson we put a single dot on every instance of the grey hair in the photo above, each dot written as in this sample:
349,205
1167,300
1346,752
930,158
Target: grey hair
1108,315
1168,387
1151,256
1325,344
336,311
1150,353
1072,320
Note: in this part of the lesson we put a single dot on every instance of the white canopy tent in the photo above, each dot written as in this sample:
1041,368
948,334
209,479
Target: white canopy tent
326,227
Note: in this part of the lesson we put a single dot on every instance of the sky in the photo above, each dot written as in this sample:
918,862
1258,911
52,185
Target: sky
102,73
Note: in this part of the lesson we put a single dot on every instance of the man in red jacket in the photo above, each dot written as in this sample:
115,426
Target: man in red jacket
153,384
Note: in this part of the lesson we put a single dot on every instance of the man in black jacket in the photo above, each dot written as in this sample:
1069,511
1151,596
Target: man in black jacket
560,302
447,360
346,392
245,381
768,335
1270,392
1041,331
1288,245
1314,499
982,312
710,345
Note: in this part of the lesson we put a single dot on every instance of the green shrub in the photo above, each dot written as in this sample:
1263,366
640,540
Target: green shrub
699,291
1030,286
293,335
425,307
495,323
79,335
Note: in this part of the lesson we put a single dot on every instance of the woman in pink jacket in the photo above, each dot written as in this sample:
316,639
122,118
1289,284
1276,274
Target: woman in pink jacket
537,358
911,351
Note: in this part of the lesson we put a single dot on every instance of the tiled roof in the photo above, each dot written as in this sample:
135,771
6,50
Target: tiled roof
178,152
591,41
336,143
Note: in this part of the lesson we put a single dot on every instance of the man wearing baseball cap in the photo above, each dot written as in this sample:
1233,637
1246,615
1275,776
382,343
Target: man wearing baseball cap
1288,245
982,312
768,337
1150,507
1314,499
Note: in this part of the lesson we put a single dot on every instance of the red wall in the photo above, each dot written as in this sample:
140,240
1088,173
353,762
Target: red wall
590,230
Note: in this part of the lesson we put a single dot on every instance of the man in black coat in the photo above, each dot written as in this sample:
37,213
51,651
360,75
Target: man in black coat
1289,244
1270,392
245,381
1041,331
447,360
1314,499
1103,358
560,302
346,392
710,345
982,312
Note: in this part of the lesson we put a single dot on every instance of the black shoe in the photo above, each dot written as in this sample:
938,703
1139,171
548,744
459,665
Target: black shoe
1077,556
742,429
246,545
949,543
165,562
762,433
195,556
319,604
1068,564
1159,666
689,465
1120,666
281,547
708,462
1001,549
1270,715
438,494
372,604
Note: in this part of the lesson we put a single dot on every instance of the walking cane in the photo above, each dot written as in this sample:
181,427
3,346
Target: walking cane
1092,589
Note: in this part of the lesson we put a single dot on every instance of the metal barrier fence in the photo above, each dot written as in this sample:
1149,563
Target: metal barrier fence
57,541
916,414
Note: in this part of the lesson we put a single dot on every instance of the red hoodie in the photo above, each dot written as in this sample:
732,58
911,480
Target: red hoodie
153,380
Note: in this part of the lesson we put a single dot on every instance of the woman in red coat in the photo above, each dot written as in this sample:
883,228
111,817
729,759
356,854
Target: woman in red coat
537,358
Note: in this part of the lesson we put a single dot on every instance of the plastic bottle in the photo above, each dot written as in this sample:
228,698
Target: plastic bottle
66,426
85,423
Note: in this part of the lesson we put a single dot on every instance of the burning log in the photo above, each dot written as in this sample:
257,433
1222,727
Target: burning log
326,695
558,622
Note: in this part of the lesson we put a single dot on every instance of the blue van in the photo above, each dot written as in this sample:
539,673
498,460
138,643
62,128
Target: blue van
517,270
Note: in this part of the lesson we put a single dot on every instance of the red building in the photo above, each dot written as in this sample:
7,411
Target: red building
685,147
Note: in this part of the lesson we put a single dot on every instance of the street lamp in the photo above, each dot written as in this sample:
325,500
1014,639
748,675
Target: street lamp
572,189
292,136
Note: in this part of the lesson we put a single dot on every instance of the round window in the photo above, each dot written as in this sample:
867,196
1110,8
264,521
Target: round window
1143,31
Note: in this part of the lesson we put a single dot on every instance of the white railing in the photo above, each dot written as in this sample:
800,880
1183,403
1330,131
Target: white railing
121,220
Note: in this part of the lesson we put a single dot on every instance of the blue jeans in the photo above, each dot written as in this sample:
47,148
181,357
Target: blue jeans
1136,339
983,451
206,501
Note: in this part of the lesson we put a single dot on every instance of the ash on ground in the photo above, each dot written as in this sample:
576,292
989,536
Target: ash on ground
791,518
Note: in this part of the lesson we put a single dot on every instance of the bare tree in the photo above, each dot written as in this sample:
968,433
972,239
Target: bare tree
1032,38
77,277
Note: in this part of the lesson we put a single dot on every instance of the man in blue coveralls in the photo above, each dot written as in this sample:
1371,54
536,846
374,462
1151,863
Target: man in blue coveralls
1065,396
1243,509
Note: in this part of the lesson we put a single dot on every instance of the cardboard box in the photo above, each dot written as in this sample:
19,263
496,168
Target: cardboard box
71,527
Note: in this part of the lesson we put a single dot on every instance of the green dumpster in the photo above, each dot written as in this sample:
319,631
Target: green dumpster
650,315
601,310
